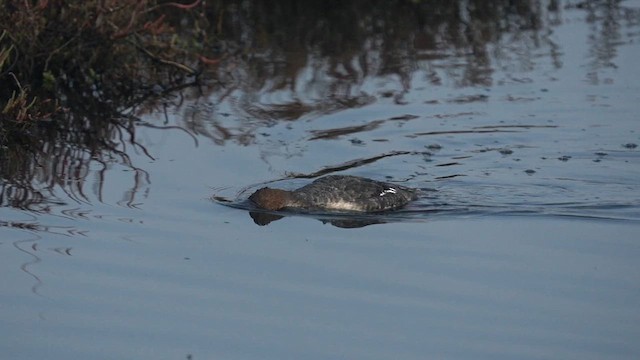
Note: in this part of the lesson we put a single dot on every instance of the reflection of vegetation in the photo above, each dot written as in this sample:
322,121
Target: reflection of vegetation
75,74
291,59
606,24
72,73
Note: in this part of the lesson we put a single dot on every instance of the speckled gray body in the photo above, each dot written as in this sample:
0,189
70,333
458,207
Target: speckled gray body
343,192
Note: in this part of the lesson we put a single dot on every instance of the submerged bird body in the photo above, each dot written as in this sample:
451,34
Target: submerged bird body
337,192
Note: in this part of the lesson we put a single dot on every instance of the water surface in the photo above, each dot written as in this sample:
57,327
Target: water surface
522,130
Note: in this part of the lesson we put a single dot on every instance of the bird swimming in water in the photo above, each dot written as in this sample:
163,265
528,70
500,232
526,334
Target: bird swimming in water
337,192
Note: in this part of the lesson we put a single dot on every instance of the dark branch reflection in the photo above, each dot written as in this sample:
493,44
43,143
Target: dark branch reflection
60,162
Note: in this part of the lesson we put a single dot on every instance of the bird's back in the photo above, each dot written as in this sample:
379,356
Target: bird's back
343,192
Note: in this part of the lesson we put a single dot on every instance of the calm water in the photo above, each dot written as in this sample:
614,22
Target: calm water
524,245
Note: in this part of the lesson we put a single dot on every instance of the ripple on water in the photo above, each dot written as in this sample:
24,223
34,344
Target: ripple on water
455,197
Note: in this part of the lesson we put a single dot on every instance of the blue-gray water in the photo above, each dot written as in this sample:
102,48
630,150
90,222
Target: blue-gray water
525,244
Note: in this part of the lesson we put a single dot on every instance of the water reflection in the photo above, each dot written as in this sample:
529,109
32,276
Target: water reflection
262,219
293,62
606,26
71,160
31,251
288,62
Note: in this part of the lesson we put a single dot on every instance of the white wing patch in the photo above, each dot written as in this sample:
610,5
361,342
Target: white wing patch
344,205
388,191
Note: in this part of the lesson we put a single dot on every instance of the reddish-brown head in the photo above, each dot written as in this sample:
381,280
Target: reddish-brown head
270,199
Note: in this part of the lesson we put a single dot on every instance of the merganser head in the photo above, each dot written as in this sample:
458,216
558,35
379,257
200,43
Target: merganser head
270,199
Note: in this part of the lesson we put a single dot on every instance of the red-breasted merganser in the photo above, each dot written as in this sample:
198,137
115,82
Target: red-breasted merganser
337,192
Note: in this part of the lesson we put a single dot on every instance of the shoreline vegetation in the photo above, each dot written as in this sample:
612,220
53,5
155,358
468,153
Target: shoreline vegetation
105,52
75,75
